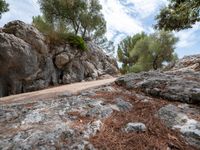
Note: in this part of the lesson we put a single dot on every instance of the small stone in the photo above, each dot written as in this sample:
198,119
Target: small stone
63,95
135,127
88,93
93,128
123,105
61,60
100,112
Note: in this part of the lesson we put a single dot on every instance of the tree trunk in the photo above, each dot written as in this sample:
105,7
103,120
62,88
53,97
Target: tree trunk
155,66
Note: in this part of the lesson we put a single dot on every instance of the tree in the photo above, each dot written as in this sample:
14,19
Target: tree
42,25
178,15
124,49
3,7
81,17
58,34
147,52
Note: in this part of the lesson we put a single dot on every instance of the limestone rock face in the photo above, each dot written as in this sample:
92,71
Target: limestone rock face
17,62
191,63
28,63
171,86
27,33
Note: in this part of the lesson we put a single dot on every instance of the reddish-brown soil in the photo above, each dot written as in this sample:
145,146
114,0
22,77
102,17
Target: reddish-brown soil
157,137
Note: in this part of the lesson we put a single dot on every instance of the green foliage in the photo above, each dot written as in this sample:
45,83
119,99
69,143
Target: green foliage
178,15
145,52
52,35
77,42
136,68
124,49
81,17
3,7
59,34
42,25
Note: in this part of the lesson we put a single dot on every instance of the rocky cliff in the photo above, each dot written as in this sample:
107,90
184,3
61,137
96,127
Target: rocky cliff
29,63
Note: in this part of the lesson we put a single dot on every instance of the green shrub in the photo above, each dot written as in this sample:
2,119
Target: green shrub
136,68
59,34
76,41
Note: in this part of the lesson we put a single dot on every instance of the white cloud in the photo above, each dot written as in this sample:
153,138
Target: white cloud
118,20
125,16
188,37
146,8
20,10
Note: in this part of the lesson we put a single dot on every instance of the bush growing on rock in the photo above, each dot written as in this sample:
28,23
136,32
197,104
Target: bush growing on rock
77,41
59,34
54,36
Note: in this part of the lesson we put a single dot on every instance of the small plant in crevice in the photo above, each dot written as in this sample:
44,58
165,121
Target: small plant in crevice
76,41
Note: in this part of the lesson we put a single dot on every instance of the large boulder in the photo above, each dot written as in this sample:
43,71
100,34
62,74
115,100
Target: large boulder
25,62
167,86
61,60
28,33
179,83
18,61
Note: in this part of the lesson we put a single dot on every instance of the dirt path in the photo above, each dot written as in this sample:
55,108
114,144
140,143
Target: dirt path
54,92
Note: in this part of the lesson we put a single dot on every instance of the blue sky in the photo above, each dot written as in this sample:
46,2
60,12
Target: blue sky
124,17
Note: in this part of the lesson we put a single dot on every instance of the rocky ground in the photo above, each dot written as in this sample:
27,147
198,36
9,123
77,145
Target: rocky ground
152,110
109,117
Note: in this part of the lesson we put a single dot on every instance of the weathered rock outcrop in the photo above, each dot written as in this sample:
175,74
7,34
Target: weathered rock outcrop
188,63
28,63
181,83
178,118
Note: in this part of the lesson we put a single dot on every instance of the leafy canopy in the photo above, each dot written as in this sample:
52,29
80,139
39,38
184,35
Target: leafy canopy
145,52
3,7
81,17
178,15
